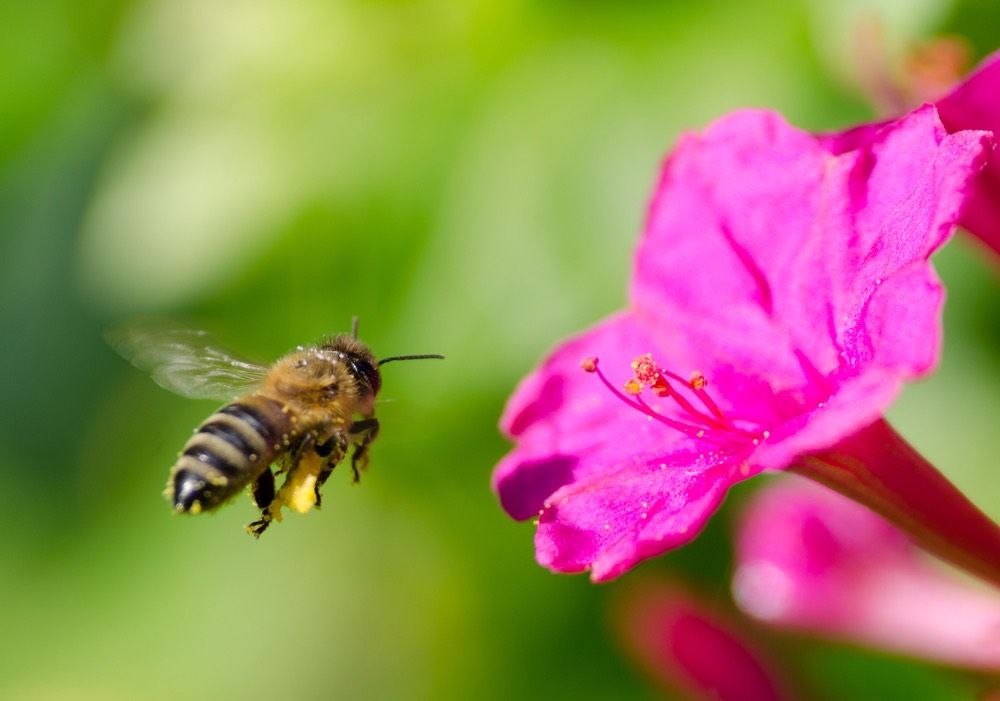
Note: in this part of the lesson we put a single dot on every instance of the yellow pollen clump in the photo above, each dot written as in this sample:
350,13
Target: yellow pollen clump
299,490
633,387
698,381
645,368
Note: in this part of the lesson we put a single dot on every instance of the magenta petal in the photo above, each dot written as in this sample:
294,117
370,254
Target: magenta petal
610,522
557,401
855,402
975,104
773,264
706,267
810,559
567,426
917,180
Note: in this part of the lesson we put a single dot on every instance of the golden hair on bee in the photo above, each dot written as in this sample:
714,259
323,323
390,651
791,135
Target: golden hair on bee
298,418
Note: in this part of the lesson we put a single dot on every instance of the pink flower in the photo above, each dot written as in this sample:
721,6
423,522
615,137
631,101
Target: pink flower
688,647
793,278
812,560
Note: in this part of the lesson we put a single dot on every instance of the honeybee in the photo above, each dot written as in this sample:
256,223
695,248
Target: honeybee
298,417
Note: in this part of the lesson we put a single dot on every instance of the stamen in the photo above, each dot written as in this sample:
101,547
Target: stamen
693,431
697,385
647,372
714,427
641,406
689,408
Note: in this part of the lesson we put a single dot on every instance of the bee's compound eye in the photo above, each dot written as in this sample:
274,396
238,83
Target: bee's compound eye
188,491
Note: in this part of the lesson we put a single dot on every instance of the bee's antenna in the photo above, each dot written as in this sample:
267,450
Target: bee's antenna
410,357
354,326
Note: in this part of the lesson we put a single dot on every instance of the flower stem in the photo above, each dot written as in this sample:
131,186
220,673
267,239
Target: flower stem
878,468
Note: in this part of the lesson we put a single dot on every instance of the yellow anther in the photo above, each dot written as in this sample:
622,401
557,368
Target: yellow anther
589,364
698,381
633,387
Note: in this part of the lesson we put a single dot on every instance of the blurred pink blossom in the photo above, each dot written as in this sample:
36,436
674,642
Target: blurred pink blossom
688,647
794,277
809,559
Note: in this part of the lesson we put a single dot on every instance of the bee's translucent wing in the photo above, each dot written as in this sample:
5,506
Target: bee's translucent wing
186,361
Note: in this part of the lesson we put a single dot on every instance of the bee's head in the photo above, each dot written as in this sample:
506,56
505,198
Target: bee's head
359,360
340,369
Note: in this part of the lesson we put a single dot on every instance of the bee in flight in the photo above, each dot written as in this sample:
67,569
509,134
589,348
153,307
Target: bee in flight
299,417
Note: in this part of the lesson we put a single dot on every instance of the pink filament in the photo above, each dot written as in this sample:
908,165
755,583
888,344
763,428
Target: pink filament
722,423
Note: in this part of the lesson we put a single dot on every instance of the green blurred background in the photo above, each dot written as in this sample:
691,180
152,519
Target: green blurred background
469,179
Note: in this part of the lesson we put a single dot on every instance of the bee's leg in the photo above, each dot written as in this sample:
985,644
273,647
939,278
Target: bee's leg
362,432
263,489
255,528
333,450
321,479
262,494
307,443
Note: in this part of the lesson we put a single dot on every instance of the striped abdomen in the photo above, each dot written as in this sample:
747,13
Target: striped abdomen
229,450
